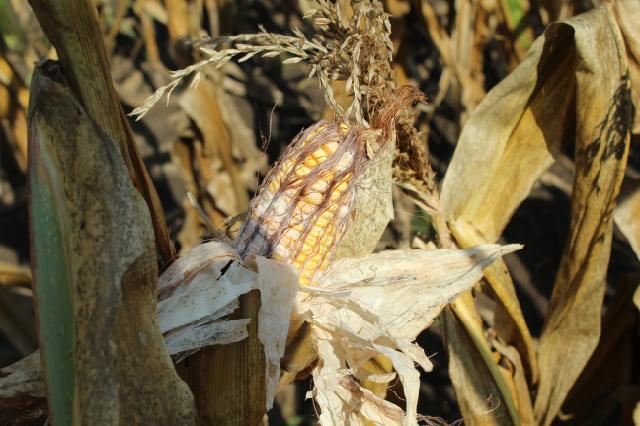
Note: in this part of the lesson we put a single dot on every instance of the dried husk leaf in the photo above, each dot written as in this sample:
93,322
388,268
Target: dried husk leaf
368,306
106,257
373,206
278,284
201,289
196,294
435,273
334,388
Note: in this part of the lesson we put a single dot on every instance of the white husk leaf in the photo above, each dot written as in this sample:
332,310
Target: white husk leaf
197,292
278,284
201,288
369,306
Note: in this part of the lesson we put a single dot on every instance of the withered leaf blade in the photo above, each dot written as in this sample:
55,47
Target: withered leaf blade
91,229
603,121
481,392
575,79
509,321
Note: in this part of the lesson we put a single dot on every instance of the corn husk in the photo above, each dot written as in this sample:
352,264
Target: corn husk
363,307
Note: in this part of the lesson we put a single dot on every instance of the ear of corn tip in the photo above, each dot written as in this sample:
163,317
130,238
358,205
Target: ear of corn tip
296,215
304,204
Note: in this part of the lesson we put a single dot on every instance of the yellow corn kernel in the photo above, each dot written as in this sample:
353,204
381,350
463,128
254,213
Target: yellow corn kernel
311,162
329,148
301,171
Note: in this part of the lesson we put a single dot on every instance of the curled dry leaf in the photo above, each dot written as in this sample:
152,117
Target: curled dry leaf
574,79
603,120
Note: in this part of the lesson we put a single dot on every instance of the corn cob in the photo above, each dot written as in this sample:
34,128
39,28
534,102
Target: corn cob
304,205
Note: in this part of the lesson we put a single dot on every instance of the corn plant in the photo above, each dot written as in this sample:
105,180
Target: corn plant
131,332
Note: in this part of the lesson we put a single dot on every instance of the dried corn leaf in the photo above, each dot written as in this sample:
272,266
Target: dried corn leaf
219,173
577,69
509,322
603,121
481,391
593,393
94,272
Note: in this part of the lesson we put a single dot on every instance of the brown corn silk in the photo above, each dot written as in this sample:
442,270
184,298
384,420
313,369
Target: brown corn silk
304,205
